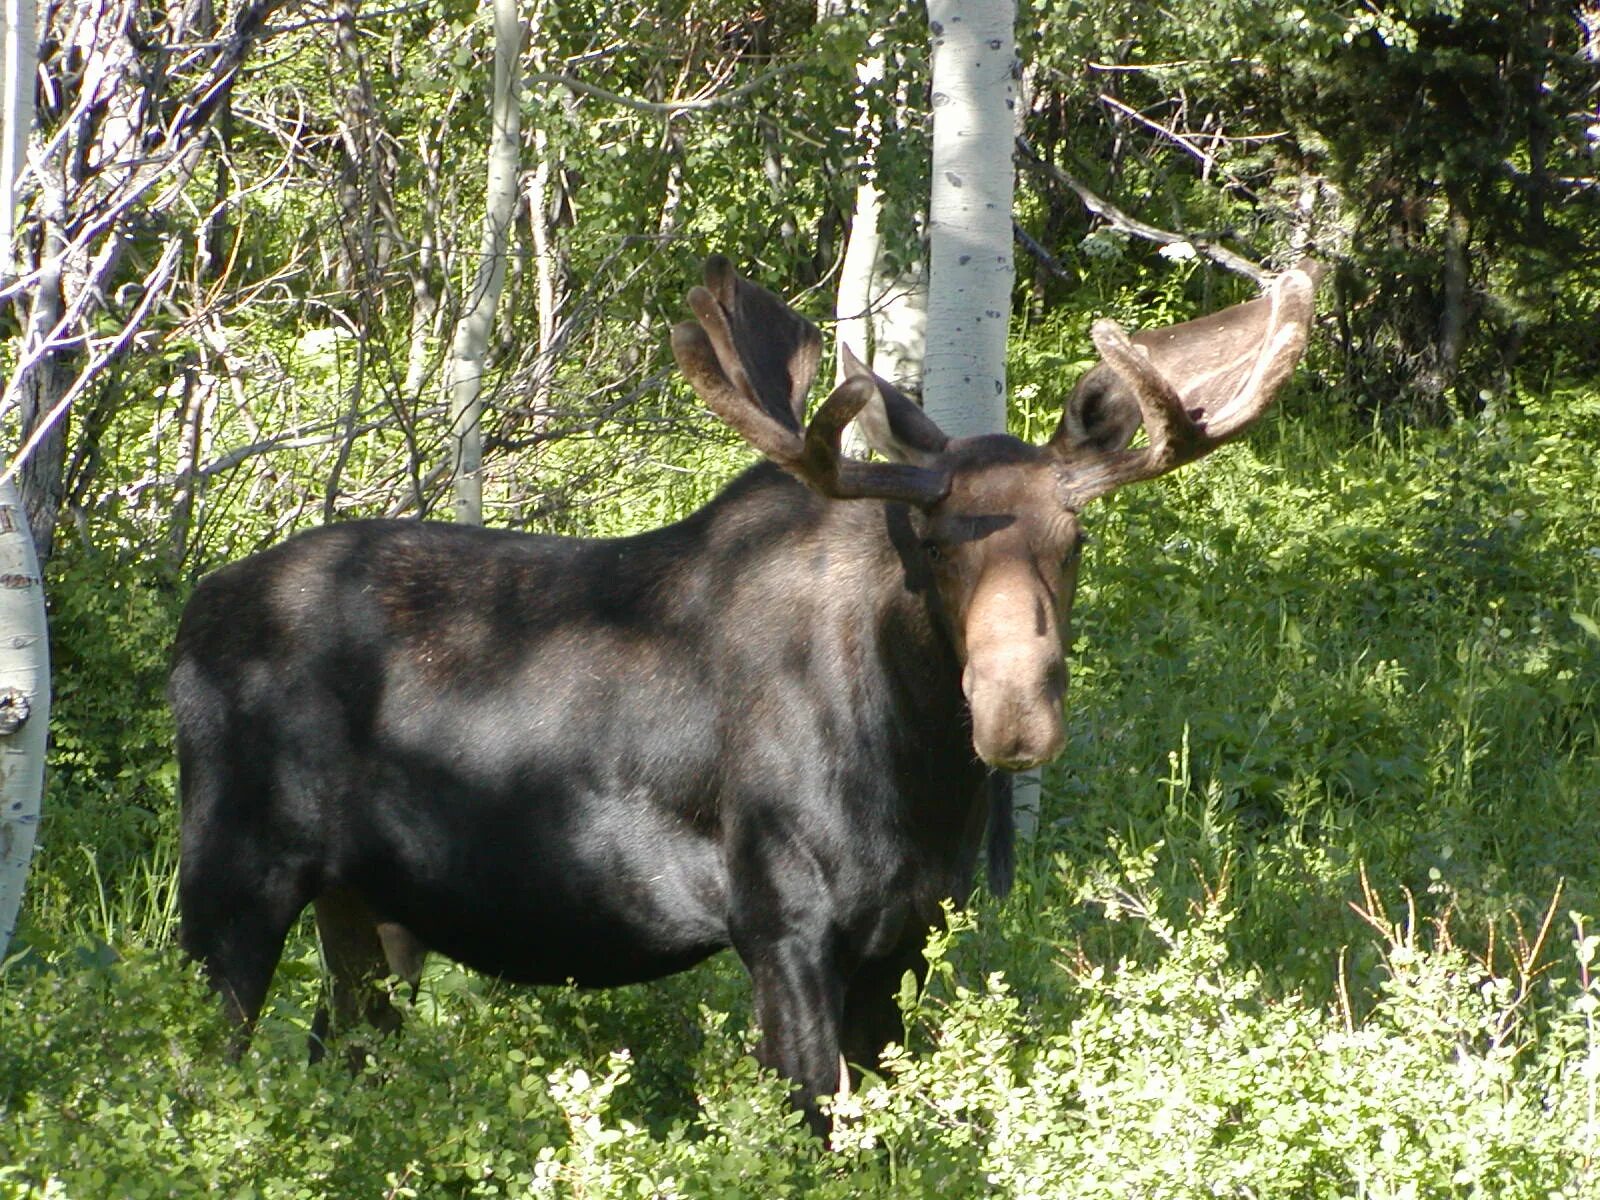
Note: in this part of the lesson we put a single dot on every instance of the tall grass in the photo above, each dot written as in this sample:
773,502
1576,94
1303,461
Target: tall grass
1305,916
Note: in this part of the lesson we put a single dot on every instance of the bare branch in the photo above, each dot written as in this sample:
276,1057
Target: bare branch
1174,65
154,283
664,107
398,10
1187,144
1118,219
1045,259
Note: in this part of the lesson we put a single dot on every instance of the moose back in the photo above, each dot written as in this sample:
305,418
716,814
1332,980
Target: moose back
775,725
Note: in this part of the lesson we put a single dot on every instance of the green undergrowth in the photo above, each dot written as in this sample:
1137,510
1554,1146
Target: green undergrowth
1322,654
1304,916
1175,1069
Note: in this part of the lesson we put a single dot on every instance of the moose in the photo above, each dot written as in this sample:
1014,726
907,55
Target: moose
779,725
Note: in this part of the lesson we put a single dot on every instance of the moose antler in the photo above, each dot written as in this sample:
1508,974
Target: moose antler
1199,384
751,358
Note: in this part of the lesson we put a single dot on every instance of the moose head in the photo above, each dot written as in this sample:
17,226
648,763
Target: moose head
997,518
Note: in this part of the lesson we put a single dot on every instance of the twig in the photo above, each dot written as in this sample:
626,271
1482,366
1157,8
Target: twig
1118,219
665,107
1187,144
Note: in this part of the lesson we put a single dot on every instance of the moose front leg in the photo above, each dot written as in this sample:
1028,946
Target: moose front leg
872,1017
799,1002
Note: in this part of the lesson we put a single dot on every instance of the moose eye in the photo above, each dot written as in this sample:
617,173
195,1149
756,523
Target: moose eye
933,550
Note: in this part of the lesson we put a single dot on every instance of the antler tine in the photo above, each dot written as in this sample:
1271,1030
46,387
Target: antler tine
712,313
751,358
1293,298
1174,436
728,393
825,467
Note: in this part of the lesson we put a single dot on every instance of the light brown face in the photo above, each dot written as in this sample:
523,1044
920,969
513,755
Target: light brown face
1004,553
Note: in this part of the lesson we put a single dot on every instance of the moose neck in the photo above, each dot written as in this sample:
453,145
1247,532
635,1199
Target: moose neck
843,585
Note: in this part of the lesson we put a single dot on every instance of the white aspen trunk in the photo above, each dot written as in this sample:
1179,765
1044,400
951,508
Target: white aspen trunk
971,267
470,350
878,314
24,704
201,387
547,281
900,324
854,302
19,48
424,300
900,312
853,305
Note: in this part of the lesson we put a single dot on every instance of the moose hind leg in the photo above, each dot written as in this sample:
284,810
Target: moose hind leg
872,1017
360,950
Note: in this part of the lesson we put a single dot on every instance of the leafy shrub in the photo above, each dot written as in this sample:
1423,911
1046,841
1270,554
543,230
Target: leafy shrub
1171,1072
106,843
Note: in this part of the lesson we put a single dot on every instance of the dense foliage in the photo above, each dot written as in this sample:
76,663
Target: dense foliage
256,307
1312,911
1304,918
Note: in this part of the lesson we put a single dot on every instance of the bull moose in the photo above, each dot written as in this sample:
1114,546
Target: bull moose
775,725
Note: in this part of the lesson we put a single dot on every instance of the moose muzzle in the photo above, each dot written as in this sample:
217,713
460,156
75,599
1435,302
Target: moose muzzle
1015,676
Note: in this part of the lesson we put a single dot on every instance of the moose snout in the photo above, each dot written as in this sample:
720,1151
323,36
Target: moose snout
1016,711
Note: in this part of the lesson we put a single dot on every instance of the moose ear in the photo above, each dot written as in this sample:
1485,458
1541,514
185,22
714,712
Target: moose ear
748,350
1102,414
891,422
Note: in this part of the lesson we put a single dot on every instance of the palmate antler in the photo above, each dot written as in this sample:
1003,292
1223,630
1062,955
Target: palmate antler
1192,386
1196,385
751,358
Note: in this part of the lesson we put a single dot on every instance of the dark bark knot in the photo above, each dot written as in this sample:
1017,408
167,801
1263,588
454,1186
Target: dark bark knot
15,708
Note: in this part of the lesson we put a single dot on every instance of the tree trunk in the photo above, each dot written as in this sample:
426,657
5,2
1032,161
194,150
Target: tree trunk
41,392
1453,315
858,271
854,302
470,351
900,323
19,46
24,704
971,267
200,390
122,137
545,197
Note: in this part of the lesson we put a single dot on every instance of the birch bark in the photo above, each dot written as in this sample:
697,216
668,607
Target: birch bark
857,273
19,44
470,349
971,267
24,704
